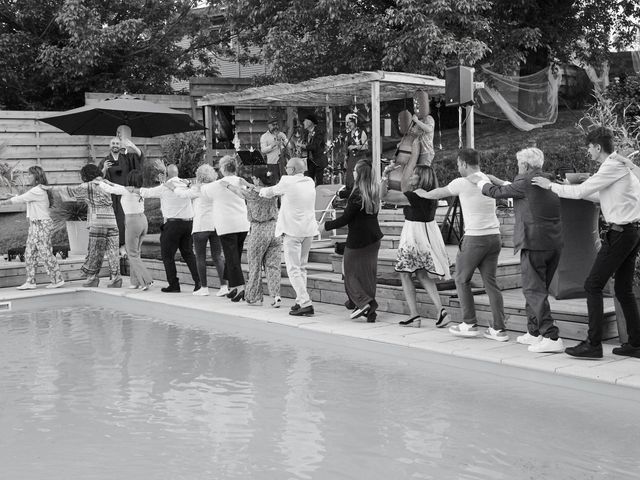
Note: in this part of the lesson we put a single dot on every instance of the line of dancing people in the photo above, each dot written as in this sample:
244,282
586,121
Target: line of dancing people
222,211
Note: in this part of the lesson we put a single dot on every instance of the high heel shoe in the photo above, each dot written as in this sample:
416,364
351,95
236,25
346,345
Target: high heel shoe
238,297
116,283
232,293
412,322
93,282
443,319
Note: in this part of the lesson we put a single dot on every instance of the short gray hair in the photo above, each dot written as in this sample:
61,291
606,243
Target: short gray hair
206,173
228,164
533,156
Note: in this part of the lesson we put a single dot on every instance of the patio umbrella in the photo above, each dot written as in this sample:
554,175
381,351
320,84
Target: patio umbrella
145,119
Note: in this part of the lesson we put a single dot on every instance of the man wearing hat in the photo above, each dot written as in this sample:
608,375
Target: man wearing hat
273,145
357,148
314,145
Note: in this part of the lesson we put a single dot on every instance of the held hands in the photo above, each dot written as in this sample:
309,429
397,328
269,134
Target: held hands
541,182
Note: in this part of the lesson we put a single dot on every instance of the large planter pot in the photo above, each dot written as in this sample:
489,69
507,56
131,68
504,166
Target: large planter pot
78,233
620,320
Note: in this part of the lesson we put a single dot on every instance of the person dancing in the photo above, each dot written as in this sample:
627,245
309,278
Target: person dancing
204,230
103,229
363,241
38,245
263,248
136,226
421,249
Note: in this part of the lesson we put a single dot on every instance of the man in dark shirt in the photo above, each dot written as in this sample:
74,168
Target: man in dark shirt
123,157
314,145
538,237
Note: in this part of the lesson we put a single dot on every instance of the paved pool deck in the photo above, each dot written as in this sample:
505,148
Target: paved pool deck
334,320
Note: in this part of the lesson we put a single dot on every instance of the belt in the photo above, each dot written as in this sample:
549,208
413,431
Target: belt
619,228
179,220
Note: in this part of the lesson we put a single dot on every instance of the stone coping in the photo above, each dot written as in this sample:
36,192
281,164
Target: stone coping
334,320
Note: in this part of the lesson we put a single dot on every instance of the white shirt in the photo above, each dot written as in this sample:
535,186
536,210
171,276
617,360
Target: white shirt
230,212
271,147
37,202
202,207
171,205
617,188
131,203
479,211
297,216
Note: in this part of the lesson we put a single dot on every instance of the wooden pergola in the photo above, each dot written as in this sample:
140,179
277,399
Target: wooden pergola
338,90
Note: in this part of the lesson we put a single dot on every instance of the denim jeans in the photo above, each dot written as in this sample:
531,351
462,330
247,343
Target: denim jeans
200,240
479,252
617,256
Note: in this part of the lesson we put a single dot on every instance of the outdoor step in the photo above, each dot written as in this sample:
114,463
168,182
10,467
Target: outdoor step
569,315
388,241
13,274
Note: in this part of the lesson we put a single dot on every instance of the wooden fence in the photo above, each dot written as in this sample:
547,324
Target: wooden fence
26,141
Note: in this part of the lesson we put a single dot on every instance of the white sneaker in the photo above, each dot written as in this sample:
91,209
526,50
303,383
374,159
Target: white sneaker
497,335
224,289
27,286
277,301
201,292
55,285
546,345
528,339
464,330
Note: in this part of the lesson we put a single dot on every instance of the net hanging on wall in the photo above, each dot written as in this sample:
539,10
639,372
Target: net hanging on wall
528,102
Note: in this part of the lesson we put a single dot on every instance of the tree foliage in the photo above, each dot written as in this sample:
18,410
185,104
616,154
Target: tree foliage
307,38
52,51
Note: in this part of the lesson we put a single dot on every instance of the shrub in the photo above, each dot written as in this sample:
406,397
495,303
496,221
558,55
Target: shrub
186,150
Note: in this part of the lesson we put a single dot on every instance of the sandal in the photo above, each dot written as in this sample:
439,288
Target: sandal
443,319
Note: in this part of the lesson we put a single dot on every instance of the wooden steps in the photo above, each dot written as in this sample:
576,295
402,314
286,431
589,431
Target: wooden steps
327,287
13,274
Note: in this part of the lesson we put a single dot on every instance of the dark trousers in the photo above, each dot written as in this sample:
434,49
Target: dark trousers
617,256
174,236
315,171
537,269
117,210
232,244
200,240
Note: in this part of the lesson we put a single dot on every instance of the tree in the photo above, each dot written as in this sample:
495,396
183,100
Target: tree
302,39
52,51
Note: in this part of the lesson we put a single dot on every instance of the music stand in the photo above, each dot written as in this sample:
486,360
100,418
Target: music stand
453,223
248,157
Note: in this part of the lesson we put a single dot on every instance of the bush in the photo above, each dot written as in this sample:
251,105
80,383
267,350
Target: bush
186,150
625,95
501,162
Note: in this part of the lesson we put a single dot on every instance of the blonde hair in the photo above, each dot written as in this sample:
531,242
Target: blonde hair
206,174
533,156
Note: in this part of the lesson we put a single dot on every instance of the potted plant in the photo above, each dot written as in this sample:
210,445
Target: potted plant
73,217
11,183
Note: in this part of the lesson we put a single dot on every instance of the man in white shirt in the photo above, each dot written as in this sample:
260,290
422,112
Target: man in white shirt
272,144
176,231
618,191
297,222
479,248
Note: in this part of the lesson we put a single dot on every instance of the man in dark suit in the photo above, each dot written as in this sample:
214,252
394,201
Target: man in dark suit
123,157
314,145
538,237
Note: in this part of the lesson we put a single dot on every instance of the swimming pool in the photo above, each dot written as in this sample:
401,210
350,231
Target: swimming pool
89,392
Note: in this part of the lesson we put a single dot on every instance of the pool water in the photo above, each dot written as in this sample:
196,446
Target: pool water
93,393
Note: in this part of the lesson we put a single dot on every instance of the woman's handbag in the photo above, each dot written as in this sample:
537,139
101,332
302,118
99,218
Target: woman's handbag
339,248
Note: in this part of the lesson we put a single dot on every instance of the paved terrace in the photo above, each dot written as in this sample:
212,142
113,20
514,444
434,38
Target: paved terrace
333,320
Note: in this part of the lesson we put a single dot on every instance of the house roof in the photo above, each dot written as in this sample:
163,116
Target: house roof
333,90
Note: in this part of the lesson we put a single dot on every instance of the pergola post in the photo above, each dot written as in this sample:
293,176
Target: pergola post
376,141
470,133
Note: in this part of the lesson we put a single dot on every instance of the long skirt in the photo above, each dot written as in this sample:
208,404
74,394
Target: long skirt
422,248
360,274
103,241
